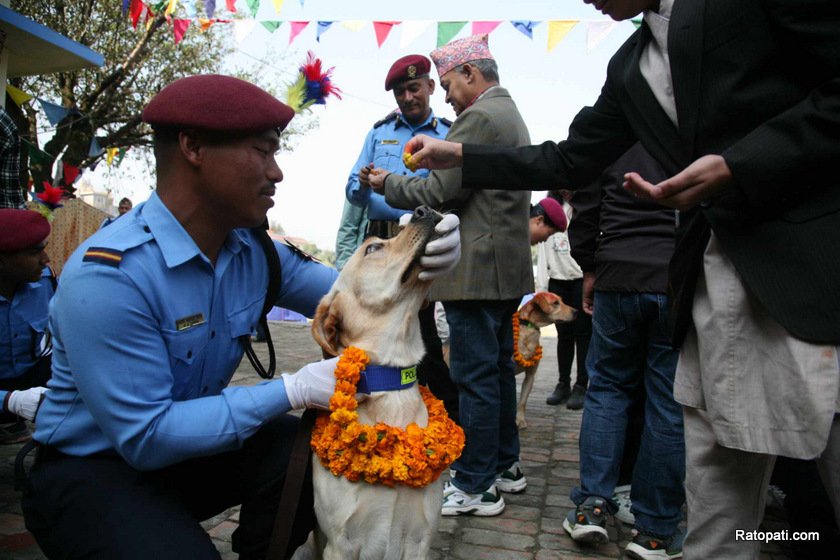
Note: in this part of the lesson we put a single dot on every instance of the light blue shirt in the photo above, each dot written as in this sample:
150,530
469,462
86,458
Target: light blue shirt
146,337
23,324
384,147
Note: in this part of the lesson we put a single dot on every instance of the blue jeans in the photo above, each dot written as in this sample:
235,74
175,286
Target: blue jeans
481,365
630,345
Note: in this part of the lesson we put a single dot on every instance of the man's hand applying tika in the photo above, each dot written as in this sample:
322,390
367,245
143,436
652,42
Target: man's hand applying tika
432,153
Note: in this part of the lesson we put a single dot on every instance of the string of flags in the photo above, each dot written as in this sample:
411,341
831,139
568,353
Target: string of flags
596,30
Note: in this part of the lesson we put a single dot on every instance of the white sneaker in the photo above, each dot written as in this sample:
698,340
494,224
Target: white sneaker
621,496
484,504
511,480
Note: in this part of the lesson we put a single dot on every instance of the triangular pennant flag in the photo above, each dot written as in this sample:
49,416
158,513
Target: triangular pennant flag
231,5
526,27
121,154
125,5
36,156
411,30
170,7
71,173
204,23
301,3
446,30
271,25
480,27
241,28
112,152
297,27
596,31
557,30
353,24
254,6
278,5
18,96
55,113
136,10
322,28
637,23
382,29
179,27
95,149
209,7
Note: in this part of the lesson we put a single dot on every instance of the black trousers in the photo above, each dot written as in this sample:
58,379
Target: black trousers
573,336
432,370
100,507
36,376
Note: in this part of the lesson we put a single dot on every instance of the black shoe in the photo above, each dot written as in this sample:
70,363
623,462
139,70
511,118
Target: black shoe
560,394
576,398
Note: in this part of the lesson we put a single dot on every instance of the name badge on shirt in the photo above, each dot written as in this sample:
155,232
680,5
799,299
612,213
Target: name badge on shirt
191,321
390,142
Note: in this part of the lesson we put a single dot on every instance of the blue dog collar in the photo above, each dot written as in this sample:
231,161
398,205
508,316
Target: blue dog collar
386,378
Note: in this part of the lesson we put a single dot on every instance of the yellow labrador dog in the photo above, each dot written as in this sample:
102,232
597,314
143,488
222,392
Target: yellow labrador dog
373,305
544,309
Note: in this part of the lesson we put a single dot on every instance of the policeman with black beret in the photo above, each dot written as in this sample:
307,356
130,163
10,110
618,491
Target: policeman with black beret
140,436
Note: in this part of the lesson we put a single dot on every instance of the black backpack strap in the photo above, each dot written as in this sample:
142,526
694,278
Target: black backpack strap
274,279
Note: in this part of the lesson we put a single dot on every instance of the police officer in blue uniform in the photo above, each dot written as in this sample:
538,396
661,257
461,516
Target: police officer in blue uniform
409,78
26,286
140,436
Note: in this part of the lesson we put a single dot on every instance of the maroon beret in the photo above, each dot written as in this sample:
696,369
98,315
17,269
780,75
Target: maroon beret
554,211
214,102
22,229
407,68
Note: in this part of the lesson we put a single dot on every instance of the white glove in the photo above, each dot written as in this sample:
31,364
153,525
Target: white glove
25,403
313,385
443,253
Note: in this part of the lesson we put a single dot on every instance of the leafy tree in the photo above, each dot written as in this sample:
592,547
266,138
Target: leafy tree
109,100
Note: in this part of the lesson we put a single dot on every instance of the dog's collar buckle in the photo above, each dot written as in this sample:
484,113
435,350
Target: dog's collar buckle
386,378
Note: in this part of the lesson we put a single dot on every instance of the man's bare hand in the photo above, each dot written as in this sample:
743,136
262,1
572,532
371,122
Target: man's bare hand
376,179
432,153
588,292
701,180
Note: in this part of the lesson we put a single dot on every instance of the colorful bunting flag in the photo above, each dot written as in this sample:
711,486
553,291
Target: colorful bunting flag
526,27
271,25
382,29
297,27
95,149
55,113
278,5
179,27
637,22
136,10
209,8
254,6
70,173
36,156
446,30
557,30
18,96
480,27
111,154
596,31
322,28
125,5
231,5
242,28
411,30
353,25
170,7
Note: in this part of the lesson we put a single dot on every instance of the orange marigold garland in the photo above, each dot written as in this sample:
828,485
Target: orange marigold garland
517,355
382,454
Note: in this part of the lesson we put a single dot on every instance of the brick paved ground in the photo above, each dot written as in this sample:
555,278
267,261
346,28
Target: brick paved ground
529,529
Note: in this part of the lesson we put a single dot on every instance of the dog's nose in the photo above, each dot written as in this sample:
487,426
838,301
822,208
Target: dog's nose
425,213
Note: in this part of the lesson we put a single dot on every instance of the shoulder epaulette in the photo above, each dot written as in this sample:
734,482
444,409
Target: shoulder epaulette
445,121
386,119
103,255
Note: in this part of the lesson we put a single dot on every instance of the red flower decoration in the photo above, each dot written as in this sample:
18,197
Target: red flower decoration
51,196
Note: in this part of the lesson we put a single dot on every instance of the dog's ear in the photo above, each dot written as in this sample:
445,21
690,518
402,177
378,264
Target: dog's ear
526,310
326,325
545,300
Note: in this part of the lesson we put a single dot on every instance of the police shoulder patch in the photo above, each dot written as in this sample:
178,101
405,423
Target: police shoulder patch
103,255
386,119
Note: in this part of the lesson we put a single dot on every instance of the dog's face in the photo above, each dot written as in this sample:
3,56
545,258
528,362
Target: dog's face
546,308
378,293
